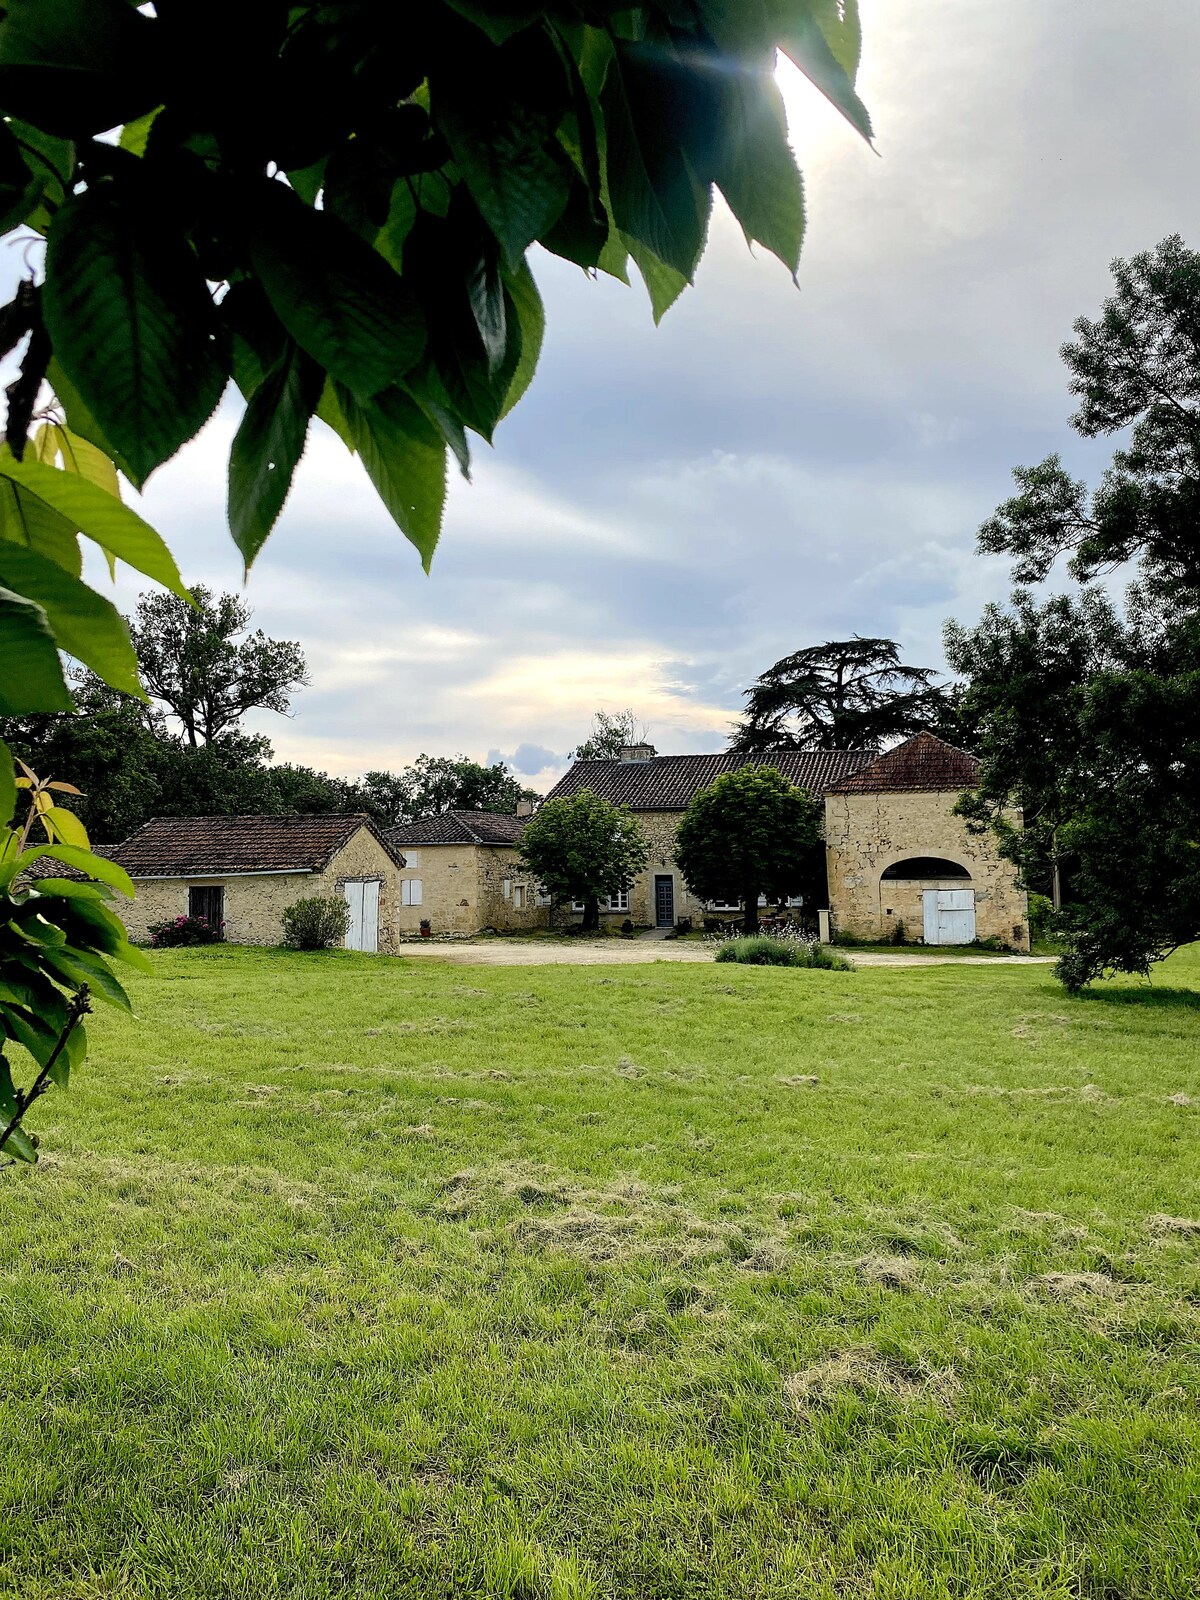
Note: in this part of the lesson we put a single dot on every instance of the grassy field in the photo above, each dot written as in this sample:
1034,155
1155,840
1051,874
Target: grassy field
359,1277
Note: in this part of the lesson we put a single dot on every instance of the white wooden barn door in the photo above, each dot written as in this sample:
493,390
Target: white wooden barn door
949,916
362,896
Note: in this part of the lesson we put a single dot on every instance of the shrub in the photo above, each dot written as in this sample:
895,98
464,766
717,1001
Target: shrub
627,928
1041,909
899,934
185,930
316,922
761,950
684,925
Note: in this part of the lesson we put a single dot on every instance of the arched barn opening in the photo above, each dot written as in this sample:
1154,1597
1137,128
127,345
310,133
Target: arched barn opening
925,867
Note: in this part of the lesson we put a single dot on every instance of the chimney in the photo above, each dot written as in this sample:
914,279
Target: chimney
524,808
637,752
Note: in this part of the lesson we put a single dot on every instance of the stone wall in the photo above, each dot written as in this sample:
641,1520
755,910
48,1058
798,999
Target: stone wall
449,878
659,828
866,833
254,904
508,892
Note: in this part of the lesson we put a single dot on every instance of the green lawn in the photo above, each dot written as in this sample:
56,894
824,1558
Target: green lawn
346,1276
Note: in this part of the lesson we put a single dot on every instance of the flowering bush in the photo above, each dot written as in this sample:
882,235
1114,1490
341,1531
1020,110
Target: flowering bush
186,930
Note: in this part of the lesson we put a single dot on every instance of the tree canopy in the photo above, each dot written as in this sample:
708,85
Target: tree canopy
582,847
332,207
611,732
750,833
1088,717
846,694
200,660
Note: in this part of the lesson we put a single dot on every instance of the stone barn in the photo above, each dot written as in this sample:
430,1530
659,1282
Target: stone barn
243,871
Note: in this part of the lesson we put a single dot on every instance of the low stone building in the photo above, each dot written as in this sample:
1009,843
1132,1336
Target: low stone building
243,872
463,873
895,851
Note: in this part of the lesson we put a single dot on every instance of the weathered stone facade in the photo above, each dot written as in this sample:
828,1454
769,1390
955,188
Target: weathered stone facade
468,887
254,902
867,833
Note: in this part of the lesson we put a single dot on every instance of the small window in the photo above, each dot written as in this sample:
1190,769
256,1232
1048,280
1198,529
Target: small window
544,899
578,905
508,888
410,891
412,858
618,901
518,897
724,905
208,902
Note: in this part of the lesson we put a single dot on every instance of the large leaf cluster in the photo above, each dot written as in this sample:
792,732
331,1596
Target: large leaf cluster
57,934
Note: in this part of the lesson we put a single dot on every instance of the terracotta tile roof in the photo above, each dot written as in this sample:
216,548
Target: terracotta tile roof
191,846
460,827
668,783
922,762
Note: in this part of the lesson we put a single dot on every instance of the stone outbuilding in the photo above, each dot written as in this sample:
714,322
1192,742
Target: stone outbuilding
463,873
897,854
243,872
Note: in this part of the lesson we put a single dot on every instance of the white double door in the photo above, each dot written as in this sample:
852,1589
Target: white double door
949,916
362,896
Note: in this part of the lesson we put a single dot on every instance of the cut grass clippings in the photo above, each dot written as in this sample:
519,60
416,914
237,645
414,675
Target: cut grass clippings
342,1276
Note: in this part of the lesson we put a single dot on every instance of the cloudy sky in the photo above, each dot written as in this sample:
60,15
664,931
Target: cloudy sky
669,511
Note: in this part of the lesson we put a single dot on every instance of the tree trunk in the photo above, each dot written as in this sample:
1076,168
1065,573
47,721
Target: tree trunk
750,911
591,915
1056,876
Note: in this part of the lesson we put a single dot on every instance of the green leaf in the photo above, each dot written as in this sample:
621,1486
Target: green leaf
663,284
99,515
654,192
20,1145
8,786
526,302
78,967
267,448
135,134
28,521
80,420
756,170
405,459
52,163
67,827
84,624
808,44
18,185
132,323
30,1032
31,677
70,889
499,19
53,443
336,296
99,867
76,67
503,144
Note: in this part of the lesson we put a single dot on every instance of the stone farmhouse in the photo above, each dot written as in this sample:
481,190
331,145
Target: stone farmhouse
243,872
894,849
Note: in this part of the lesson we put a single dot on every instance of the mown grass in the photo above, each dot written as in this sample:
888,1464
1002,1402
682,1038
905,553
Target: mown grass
358,1277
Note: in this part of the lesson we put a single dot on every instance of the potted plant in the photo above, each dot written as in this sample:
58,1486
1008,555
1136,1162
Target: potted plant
426,928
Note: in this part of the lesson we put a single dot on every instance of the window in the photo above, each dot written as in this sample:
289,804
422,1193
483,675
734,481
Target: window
410,891
724,905
544,899
518,897
207,902
618,901
412,858
507,888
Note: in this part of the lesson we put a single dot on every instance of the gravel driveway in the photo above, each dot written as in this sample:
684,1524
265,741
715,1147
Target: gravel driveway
637,952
